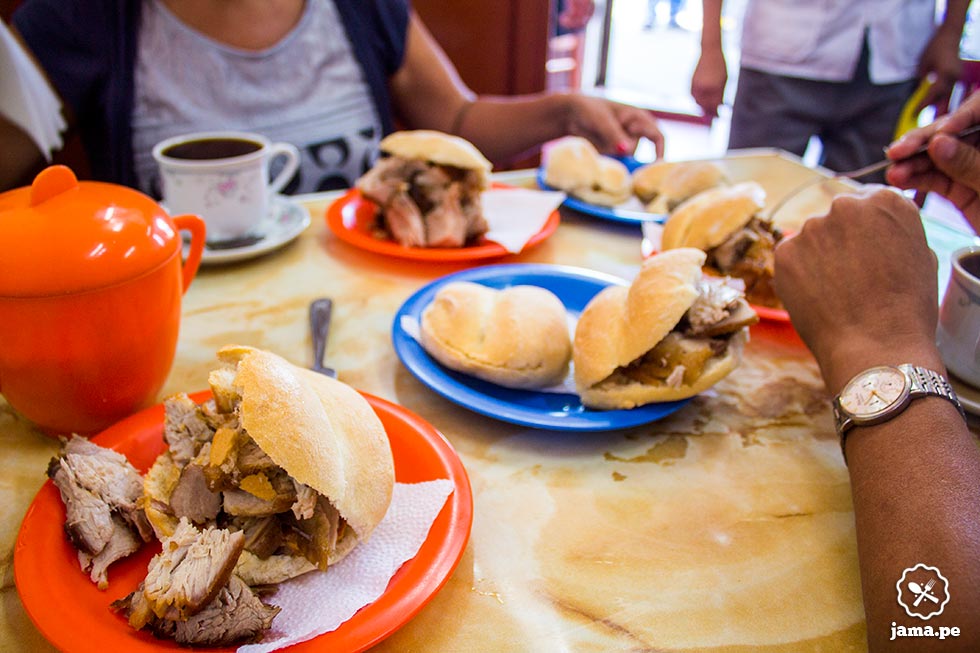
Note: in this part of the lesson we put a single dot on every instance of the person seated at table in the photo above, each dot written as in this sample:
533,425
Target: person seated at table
952,168
330,76
860,287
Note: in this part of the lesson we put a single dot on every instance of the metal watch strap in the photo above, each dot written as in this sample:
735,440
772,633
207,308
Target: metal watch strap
926,382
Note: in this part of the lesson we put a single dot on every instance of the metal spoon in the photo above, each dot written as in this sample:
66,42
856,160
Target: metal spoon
320,310
861,172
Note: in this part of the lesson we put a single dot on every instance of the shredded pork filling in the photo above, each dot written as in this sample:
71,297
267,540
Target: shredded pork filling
229,482
704,333
423,204
748,254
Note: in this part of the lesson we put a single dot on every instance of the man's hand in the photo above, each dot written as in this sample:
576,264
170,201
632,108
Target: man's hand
940,62
860,286
708,81
952,167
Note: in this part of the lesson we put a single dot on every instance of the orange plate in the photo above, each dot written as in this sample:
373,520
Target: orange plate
74,615
767,313
351,217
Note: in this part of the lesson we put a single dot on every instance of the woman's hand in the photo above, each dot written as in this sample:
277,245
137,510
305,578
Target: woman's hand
613,128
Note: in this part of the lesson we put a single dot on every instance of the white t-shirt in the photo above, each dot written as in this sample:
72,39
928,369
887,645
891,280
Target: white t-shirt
822,39
308,90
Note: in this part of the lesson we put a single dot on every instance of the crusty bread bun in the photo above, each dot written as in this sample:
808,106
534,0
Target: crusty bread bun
612,185
648,179
437,147
621,325
683,181
572,164
516,337
710,217
320,431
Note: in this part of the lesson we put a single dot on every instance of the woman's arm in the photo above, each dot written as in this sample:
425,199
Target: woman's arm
428,93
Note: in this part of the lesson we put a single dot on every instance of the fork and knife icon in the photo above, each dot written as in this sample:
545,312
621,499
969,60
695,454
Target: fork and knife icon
922,592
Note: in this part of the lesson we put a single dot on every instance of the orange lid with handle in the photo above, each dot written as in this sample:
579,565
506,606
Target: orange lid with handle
60,235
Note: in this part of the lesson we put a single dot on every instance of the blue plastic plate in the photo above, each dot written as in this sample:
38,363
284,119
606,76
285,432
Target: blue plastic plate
544,410
628,216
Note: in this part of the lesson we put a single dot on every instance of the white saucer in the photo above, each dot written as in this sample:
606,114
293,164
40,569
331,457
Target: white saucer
968,395
285,221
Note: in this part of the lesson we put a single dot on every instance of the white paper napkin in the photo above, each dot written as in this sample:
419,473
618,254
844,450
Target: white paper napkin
318,603
26,99
410,326
515,215
653,233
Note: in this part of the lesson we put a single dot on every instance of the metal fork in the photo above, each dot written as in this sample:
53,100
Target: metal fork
860,172
320,311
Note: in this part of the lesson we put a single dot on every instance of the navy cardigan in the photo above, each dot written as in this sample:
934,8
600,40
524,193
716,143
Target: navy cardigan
88,49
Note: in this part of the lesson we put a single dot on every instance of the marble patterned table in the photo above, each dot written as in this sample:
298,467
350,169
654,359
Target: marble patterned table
725,527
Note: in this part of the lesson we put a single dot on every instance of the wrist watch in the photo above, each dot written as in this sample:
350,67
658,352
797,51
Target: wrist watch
880,393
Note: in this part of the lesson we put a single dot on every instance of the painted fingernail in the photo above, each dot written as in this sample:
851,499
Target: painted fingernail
622,147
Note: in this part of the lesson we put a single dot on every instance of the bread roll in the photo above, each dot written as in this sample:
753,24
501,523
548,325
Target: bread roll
648,179
683,181
438,147
571,164
612,185
709,218
574,165
320,431
620,325
516,337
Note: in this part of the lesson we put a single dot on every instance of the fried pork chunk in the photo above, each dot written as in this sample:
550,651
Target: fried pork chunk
102,493
191,595
749,255
424,204
214,474
716,315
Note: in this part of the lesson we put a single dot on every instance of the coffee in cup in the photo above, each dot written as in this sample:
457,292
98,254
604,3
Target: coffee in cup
224,178
958,335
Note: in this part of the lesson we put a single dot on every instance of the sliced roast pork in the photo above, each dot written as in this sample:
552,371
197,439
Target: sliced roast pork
102,493
188,572
191,595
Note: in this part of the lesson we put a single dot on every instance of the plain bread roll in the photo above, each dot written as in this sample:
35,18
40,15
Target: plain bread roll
516,337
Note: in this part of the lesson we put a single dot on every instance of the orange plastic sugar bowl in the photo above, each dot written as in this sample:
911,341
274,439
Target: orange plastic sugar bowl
91,282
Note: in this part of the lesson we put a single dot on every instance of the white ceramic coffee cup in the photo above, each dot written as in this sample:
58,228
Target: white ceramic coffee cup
223,176
958,336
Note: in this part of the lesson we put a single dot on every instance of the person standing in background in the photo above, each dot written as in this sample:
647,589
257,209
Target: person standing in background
840,70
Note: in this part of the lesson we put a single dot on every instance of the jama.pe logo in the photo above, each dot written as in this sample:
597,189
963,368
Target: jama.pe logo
923,591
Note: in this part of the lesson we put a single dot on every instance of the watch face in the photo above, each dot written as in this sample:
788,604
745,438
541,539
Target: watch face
874,391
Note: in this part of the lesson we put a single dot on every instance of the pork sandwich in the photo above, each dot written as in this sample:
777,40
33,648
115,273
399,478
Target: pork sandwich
726,224
663,185
669,335
515,337
297,462
574,165
427,186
